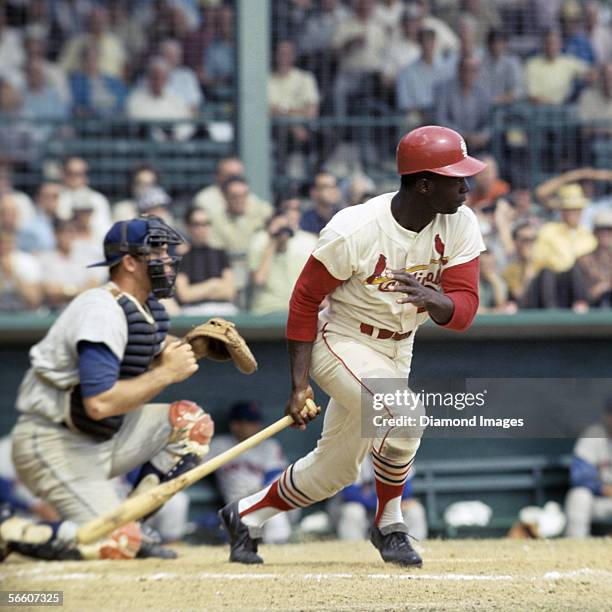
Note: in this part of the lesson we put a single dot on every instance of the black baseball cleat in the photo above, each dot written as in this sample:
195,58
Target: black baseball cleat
394,545
243,548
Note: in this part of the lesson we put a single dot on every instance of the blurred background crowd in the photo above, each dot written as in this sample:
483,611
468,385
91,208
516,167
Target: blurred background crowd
117,108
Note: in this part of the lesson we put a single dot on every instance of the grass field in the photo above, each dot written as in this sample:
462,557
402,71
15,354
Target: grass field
456,575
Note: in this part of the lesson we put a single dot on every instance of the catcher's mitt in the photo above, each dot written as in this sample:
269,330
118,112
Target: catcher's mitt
219,340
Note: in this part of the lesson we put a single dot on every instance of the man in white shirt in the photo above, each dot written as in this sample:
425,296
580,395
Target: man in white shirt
155,101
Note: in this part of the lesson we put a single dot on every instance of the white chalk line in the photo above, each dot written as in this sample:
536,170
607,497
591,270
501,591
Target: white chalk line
38,574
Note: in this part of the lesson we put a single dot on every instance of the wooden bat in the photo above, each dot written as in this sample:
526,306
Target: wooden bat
140,505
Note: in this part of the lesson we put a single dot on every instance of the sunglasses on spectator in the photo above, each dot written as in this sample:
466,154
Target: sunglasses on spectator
200,223
526,239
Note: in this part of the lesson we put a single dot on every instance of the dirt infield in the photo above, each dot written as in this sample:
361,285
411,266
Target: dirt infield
457,575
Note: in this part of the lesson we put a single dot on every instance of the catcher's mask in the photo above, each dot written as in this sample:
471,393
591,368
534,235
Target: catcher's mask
141,238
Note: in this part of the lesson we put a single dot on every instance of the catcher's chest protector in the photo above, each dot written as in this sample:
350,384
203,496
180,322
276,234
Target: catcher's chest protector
145,335
146,332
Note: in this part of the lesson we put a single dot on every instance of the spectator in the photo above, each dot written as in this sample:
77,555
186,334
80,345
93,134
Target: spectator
218,72
23,203
87,236
112,55
550,77
12,54
20,276
254,468
502,73
447,42
493,211
142,178
41,100
123,23
595,106
63,271
320,29
76,186
353,509
597,266
18,144
205,283
360,42
388,13
37,235
403,48
464,105
93,93
156,202
71,17
325,197
598,31
36,45
519,273
575,41
211,198
276,258
292,93
590,495
233,228
359,189
417,83
482,17
468,44
154,101
182,81
559,244
492,289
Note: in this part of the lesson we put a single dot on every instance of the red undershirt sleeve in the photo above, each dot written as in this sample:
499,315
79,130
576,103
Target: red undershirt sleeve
460,284
313,284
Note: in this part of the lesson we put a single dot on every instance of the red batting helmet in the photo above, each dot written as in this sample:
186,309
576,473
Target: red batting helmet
437,149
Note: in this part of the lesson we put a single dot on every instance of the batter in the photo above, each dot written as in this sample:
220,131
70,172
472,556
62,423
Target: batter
386,266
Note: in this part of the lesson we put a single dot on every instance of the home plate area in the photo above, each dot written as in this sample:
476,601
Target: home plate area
456,575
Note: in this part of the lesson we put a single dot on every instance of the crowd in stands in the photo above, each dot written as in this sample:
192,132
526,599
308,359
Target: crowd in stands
447,62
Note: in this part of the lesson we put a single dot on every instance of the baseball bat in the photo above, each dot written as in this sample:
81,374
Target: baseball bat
142,504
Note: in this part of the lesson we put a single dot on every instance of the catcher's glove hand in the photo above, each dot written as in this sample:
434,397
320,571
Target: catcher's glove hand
219,340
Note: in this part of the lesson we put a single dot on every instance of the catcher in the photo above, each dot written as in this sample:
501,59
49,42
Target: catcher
85,411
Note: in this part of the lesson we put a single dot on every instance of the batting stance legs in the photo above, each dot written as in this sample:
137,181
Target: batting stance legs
345,367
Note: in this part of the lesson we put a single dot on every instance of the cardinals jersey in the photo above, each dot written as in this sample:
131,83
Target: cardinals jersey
361,242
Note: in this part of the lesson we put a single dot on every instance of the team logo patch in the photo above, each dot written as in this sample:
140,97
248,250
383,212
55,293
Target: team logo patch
463,148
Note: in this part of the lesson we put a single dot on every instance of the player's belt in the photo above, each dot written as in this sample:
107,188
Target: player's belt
382,334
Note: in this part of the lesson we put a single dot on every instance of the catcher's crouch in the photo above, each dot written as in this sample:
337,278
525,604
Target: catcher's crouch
84,402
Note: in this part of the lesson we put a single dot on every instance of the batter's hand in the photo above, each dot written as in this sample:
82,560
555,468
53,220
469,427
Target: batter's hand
415,293
295,407
178,361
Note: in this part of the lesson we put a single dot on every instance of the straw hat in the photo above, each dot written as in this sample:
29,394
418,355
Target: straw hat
570,197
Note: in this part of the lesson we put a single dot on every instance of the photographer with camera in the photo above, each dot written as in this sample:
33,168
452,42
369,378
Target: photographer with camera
276,257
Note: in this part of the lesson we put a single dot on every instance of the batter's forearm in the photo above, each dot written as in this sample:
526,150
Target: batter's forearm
300,354
440,308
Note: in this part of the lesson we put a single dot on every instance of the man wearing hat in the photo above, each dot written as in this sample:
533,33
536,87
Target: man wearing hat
84,403
597,266
559,244
590,495
252,470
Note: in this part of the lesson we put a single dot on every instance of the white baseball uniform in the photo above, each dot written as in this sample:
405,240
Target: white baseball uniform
365,334
582,505
68,469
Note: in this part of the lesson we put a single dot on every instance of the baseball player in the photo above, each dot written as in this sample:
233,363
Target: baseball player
84,402
590,496
385,266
